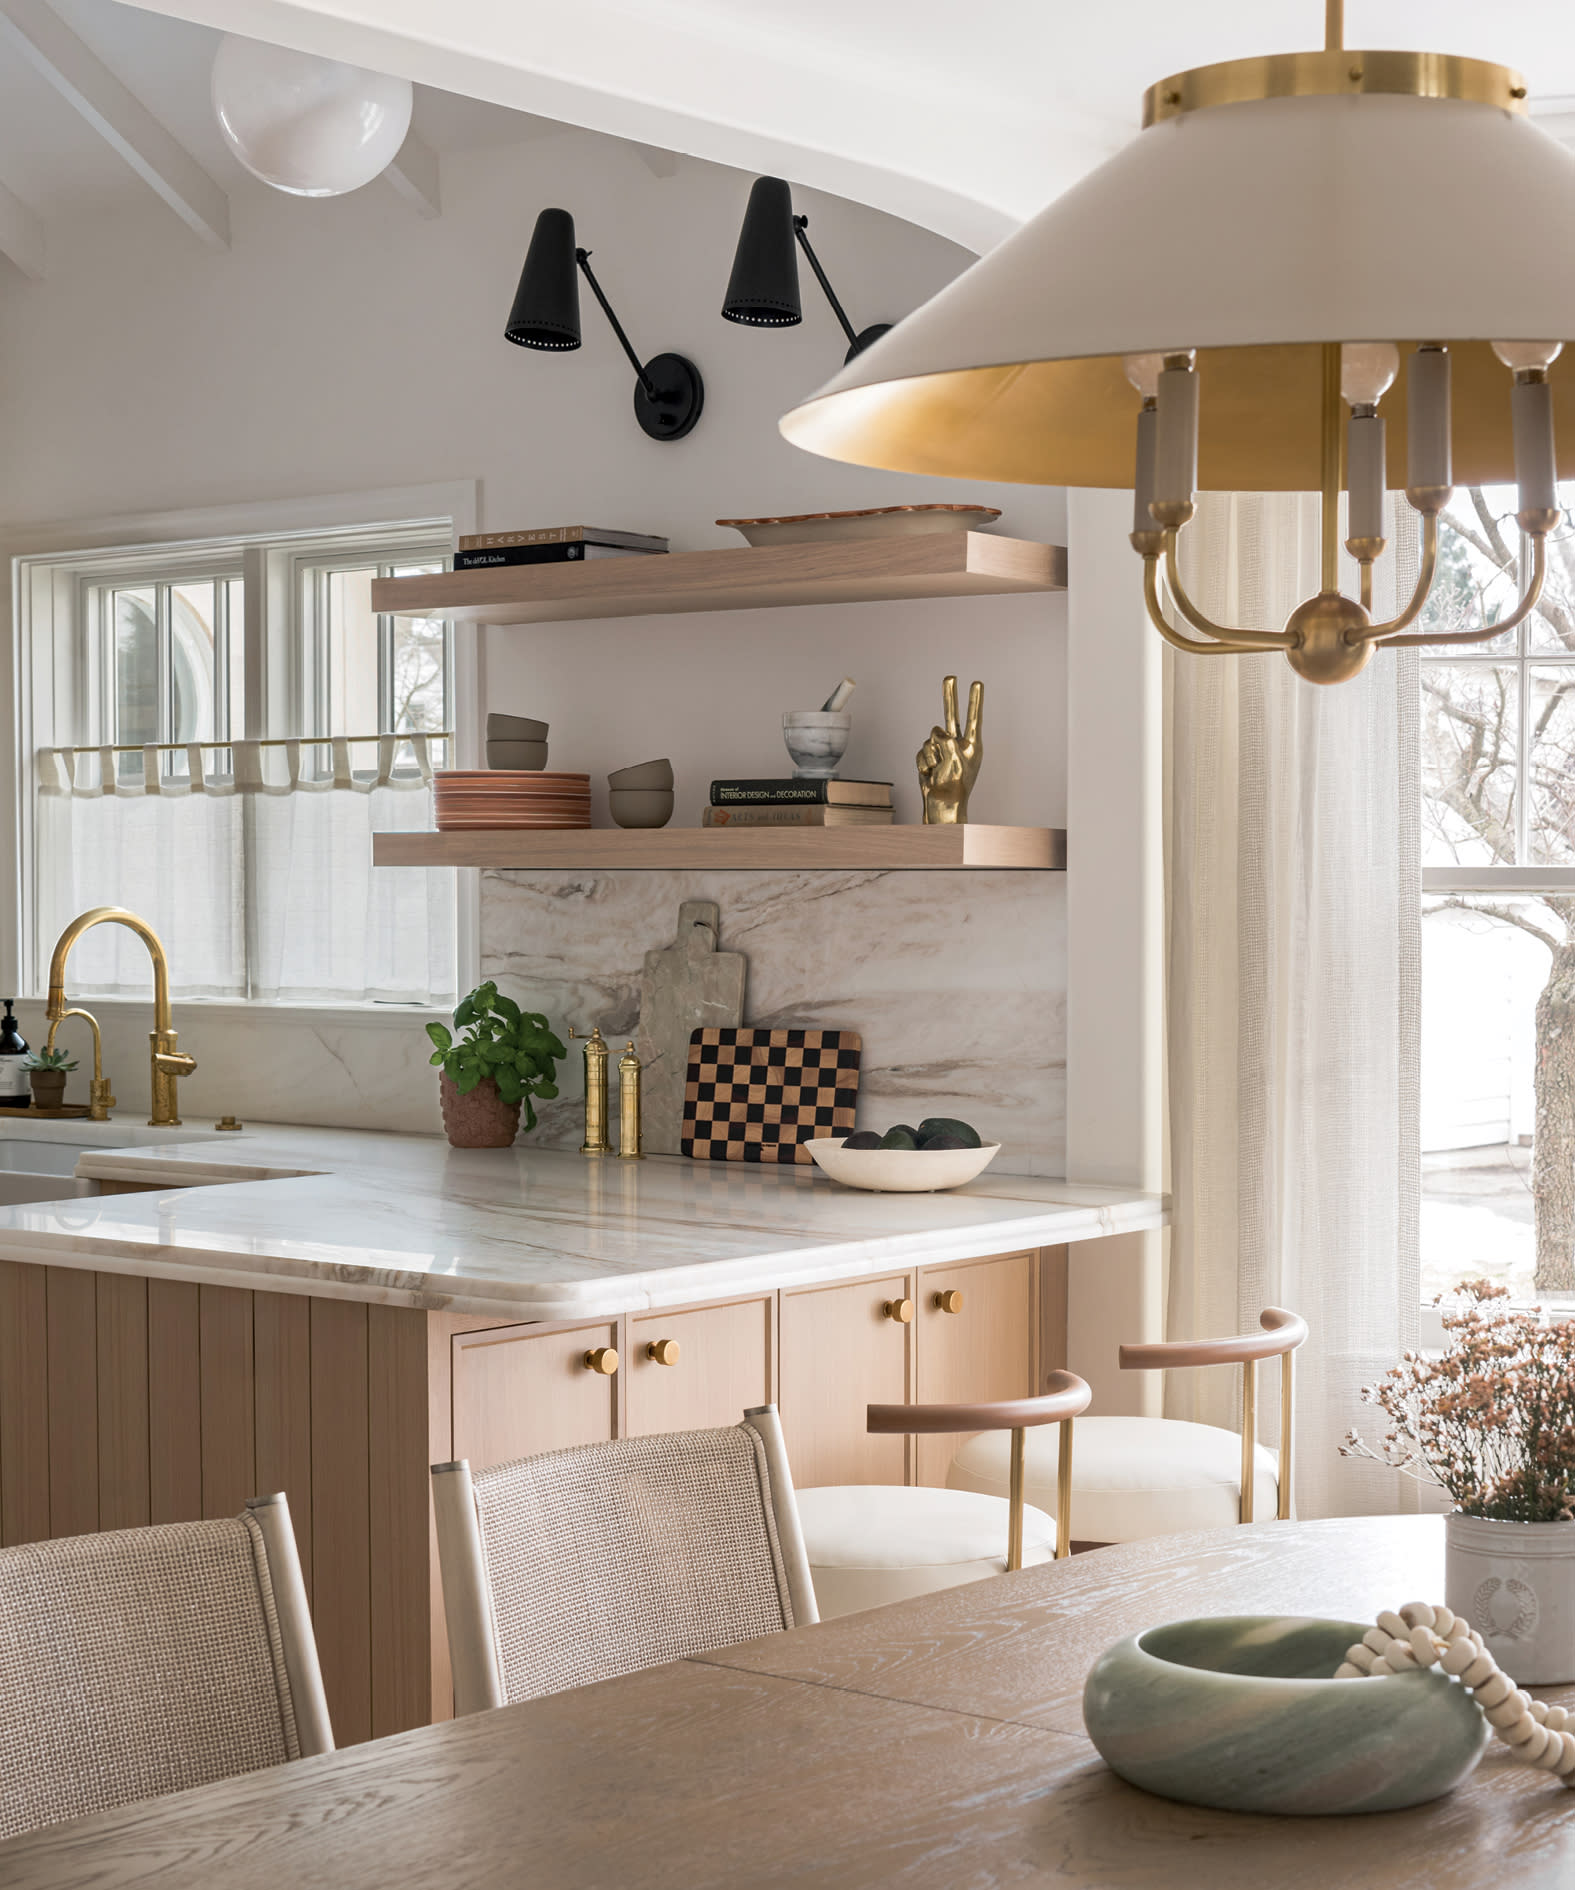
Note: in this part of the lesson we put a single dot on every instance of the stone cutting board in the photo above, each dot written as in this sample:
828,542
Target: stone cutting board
686,986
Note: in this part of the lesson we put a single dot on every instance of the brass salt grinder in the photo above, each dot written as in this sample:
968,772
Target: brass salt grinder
596,1142
629,1105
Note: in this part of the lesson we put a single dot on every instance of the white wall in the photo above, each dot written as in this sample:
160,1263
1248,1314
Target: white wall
346,345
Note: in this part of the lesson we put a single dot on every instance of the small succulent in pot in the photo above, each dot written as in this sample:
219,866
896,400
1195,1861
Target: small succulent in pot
47,1071
502,1058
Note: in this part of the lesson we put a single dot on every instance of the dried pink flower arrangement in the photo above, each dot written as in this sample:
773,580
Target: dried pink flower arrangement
1492,1419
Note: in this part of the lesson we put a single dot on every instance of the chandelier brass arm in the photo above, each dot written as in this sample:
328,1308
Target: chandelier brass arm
1427,571
1527,604
1243,639
1157,617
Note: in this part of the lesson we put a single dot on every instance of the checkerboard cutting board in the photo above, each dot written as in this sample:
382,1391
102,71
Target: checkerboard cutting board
759,1095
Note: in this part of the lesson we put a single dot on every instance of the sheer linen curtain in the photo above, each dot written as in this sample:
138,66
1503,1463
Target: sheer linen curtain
1294,891
259,882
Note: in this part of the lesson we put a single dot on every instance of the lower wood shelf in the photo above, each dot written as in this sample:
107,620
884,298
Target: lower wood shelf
844,849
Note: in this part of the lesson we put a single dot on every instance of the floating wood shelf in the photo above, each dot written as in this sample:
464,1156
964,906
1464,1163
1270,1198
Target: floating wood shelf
859,571
846,849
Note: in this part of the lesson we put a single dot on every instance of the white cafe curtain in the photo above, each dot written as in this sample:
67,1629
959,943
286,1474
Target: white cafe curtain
259,882
1294,994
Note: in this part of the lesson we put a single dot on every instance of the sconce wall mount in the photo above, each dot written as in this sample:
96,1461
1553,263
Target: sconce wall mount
762,291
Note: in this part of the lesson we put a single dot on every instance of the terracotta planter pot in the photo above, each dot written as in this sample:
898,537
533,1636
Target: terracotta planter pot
480,1120
49,1088
1515,1583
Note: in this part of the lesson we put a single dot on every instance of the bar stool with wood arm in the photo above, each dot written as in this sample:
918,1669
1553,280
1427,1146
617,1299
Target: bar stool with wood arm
583,1564
869,1544
144,1661
1139,1476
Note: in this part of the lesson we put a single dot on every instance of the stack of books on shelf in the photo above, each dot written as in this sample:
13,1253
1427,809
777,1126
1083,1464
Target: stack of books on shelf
552,544
798,802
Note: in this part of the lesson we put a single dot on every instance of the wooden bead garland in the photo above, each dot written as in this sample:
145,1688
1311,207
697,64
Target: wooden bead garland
1422,1636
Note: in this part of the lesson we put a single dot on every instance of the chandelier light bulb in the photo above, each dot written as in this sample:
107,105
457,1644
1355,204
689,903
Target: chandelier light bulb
310,127
1143,371
1367,371
1518,356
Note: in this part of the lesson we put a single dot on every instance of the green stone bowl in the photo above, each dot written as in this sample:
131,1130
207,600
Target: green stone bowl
1242,1712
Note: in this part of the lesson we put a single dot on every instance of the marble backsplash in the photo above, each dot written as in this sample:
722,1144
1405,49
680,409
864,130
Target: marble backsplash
955,981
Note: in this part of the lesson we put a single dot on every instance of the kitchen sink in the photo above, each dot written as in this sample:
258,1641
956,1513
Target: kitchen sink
34,1169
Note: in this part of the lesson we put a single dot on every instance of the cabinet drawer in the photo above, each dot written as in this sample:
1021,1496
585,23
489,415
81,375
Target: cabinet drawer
722,1367
841,1351
982,1350
519,1391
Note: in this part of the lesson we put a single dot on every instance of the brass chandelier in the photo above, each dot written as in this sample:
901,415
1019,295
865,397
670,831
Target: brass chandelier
1234,284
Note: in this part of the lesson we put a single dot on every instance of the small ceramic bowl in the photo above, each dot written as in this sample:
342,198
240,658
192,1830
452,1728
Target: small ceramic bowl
656,775
1242,1712
641,807
816,739
515,728
900,1170
526,757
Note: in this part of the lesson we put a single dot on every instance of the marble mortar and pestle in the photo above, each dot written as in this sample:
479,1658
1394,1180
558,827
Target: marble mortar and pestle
818,738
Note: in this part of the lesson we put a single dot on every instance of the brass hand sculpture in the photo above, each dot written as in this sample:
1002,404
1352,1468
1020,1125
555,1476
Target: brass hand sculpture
949,760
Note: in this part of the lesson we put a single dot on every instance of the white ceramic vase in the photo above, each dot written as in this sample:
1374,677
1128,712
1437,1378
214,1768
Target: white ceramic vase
1515,1583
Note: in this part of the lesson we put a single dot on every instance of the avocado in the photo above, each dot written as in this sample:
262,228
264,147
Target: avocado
933,1126
946,1141
862,1138
899,1137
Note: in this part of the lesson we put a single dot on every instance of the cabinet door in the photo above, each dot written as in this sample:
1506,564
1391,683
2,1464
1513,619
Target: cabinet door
718,1366
982,1350
841,1351
519,1391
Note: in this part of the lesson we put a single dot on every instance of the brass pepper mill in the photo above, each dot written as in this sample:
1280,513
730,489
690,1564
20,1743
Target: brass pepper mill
596,1142
629,1106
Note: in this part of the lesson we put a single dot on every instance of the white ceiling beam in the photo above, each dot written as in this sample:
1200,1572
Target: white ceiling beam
21,235
414,175
31,28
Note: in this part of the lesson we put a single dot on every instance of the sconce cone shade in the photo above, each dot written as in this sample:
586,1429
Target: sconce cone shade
546,311
763,288
1251,230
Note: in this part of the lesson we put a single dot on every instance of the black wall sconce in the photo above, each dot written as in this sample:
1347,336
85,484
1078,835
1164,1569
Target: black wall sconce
669,393
763,288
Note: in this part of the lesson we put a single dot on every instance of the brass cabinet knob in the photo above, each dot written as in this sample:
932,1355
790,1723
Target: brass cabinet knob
603,1359
662,1351
899,1309
949,1301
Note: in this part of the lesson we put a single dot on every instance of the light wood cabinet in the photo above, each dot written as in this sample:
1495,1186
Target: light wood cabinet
711,1364
976,1341
519,1390
842,1350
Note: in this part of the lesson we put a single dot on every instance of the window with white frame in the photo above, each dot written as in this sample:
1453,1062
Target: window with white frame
217,731
1498,841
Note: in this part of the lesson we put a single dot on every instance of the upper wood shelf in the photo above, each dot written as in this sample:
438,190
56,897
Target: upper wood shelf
849,849
860,571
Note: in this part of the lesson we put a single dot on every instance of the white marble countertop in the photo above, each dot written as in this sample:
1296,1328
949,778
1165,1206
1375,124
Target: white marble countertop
523,1233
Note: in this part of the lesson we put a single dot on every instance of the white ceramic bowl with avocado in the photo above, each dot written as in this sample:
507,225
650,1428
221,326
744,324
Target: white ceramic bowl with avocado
942,1152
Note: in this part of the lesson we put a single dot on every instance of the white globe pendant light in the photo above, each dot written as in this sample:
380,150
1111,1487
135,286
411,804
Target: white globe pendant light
1240,300
312,127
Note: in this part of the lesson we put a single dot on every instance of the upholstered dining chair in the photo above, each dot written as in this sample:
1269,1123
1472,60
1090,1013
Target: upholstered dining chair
1140,1476
595,1561
144,1661
870,1544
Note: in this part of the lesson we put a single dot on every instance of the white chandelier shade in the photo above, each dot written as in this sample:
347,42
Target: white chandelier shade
1253,232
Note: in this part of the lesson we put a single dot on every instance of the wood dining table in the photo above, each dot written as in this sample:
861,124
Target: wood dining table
937,1743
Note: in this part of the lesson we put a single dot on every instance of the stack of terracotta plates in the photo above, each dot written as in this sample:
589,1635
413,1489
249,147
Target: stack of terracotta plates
470,798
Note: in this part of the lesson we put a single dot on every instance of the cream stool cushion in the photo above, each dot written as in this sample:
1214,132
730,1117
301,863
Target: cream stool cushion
1131,1476
869,1544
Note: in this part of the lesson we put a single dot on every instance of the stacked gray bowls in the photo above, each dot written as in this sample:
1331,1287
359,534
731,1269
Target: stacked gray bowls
516,741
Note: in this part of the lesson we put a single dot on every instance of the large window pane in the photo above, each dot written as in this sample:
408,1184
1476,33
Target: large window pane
1481,977
137,706
419,665
352,653
1470,736
1552,626
194,662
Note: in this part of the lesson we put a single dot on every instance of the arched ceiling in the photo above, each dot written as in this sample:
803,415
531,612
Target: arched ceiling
963,119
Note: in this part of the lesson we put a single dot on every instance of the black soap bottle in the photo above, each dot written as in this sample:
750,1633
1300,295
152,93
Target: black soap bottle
15,1090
